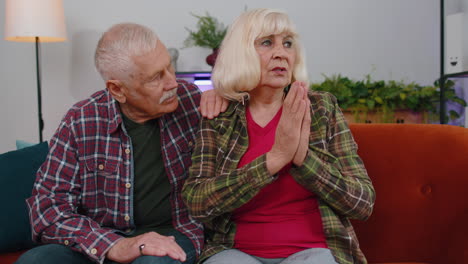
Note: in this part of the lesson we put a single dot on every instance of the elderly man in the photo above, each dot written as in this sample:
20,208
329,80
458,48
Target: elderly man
109,190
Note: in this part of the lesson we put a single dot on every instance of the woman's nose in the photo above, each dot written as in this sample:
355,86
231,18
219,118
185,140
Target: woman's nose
279,51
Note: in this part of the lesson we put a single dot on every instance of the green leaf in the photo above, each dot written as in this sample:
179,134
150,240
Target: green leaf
378,100
365,94
453,115
370,104
210,32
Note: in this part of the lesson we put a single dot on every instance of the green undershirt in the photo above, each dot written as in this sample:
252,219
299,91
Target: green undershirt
151,187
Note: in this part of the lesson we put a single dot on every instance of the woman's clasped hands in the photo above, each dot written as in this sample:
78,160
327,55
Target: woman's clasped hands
292,134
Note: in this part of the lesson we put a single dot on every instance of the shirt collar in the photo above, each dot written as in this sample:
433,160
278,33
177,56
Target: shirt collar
236,107
115,115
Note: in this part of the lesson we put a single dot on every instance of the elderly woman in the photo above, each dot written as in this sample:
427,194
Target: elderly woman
276,177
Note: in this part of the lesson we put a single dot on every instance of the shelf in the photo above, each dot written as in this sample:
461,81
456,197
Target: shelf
200,78
463,74
442,80
193,74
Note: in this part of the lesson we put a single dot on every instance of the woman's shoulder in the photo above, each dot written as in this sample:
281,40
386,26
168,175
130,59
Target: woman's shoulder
234,108
321,99
322,96
228,117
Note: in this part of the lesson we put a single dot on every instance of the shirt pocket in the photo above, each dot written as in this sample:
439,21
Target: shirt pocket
100,188
101,166
185,147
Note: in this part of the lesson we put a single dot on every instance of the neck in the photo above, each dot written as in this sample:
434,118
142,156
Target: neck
264,104
265,97
135,115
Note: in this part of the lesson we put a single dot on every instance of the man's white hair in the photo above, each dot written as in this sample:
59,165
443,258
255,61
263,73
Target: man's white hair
117,47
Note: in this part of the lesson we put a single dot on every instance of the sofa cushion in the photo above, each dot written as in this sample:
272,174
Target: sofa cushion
17,174
10,258
23,144
420,177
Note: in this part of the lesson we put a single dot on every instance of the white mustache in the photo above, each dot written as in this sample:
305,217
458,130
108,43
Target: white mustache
168,95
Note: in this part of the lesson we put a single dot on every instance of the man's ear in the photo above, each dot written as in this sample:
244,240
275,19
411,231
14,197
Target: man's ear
117,90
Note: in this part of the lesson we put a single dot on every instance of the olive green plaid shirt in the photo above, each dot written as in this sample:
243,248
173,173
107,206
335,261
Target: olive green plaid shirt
332,170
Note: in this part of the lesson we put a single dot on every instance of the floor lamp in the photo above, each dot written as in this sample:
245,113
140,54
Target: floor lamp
35,21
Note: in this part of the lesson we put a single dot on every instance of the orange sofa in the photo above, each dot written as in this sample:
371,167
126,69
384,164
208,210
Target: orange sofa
420,173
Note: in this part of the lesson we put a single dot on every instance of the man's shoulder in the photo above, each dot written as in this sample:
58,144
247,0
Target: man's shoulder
187,90
189,98
99,97
98,104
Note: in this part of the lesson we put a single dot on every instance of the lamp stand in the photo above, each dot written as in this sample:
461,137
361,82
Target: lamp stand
39,93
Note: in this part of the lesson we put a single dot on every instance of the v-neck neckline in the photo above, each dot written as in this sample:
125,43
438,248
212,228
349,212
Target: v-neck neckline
259,130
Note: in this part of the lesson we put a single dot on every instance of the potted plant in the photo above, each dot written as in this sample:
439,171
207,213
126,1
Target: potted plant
209,34
387,102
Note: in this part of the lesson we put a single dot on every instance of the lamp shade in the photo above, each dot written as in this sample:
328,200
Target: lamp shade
28,19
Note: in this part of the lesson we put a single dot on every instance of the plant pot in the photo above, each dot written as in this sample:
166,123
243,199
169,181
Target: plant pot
211,59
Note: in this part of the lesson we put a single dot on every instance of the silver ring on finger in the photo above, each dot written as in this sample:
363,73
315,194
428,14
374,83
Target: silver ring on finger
141,247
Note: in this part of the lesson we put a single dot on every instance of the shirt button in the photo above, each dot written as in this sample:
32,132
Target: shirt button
127,151
93,251
66,242
128,185
127,218
101,167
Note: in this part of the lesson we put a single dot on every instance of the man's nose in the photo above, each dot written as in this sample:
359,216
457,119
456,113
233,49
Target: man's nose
171,81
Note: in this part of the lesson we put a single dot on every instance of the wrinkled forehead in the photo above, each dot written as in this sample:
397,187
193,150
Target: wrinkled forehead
274,24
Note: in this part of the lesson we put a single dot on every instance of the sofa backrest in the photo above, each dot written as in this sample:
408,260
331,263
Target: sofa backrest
420,174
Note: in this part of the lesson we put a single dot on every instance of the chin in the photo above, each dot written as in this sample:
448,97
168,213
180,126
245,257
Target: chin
172,105
165,108
281,85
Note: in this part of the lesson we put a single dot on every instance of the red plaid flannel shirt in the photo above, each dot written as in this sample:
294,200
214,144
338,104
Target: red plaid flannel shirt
83,194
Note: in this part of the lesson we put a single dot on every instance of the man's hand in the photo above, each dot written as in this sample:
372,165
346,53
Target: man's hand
211,104
127,250
289,130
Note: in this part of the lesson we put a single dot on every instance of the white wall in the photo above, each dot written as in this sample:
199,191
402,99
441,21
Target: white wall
464,9
396,39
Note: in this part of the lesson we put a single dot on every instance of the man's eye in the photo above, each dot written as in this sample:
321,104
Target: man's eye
156,77
288,44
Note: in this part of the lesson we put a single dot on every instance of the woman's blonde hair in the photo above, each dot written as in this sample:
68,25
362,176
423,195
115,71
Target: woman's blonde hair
237,69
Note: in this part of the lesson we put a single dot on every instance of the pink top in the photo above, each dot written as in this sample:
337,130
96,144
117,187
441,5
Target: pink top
283,218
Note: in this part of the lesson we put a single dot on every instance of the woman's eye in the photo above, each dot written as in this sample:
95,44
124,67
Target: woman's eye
288,44
266,42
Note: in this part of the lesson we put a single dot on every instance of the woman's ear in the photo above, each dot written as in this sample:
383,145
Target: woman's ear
117,89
